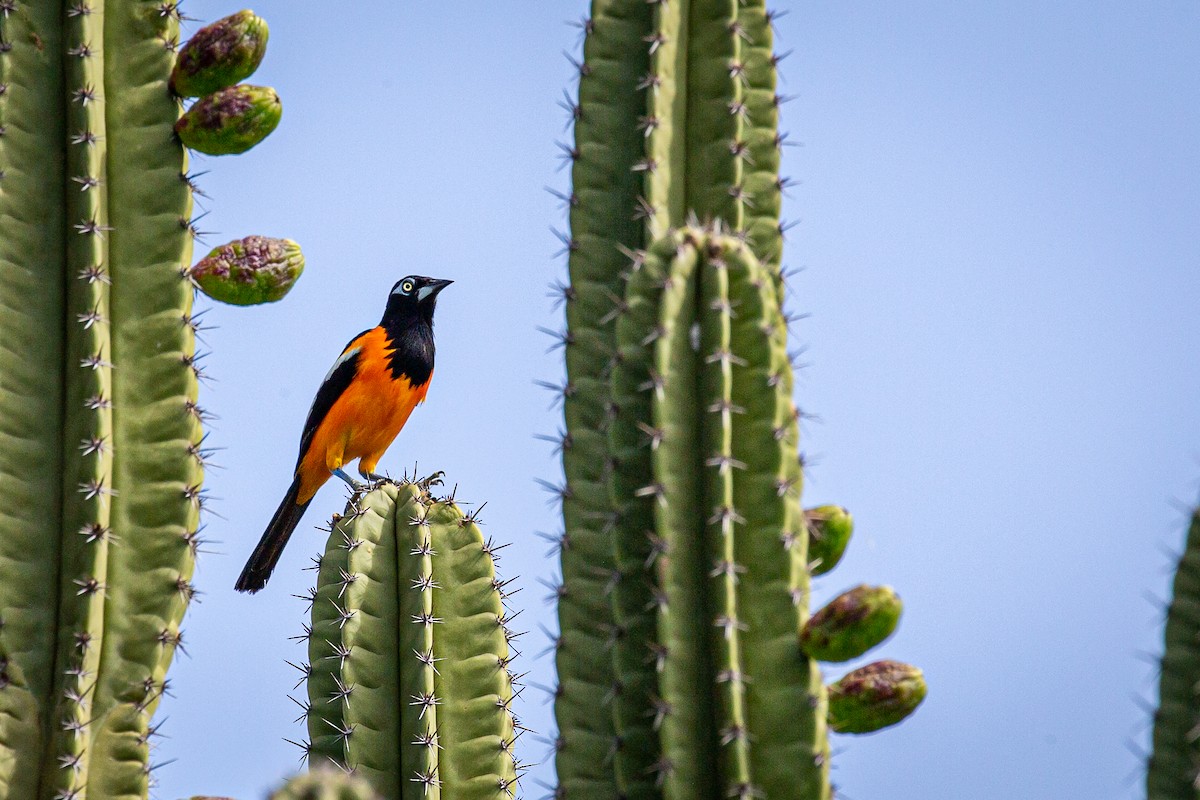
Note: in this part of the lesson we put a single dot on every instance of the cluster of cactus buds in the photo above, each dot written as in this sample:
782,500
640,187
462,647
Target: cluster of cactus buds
228,118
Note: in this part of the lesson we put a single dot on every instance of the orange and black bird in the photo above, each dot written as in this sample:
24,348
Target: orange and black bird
362,404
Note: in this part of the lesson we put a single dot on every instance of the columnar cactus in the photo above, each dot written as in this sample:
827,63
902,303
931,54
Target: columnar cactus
685,560
408,675
101,457
1174,769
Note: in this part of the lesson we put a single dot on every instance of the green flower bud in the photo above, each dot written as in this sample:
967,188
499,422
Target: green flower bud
875,696
230,121
829,529
220,55
851,624
249,271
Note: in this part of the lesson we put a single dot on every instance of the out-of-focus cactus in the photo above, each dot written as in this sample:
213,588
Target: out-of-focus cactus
249,271
408,678
875,696
230,121
325,784
685,554
1174,769
101,460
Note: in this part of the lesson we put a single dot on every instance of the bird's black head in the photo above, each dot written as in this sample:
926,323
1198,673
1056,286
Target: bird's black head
413,297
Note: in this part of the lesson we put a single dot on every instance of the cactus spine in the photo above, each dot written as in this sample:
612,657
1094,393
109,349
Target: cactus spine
684,557
101,460
408,677
1174,767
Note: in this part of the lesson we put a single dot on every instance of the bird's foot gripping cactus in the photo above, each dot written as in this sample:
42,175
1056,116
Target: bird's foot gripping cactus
101,455
409,681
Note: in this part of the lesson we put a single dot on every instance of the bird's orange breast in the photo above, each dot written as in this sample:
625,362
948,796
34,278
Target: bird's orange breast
365,419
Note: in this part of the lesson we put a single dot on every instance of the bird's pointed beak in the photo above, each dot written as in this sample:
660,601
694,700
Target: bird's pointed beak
430,290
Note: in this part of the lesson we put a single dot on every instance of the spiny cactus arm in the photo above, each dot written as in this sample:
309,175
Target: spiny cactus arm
604,203
730,625
31,313
761,179
156,433
371,670
632,441
1175,762
689,722
784,694
414,689
475,723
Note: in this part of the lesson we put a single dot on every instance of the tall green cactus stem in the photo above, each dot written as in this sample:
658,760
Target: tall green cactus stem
1175,763
100,443
676,116
409,683
708,499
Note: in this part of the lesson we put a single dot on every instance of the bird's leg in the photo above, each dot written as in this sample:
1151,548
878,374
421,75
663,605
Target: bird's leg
355,485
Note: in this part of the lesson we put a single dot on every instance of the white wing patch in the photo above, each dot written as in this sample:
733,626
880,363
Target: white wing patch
342,359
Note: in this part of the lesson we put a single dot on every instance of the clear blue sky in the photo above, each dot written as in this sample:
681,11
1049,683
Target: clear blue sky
999,209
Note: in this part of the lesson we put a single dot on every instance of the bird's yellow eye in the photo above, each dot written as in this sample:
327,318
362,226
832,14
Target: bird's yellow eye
407,286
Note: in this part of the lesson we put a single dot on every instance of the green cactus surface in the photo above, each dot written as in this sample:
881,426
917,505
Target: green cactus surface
220,54
1174,767
256,269
101,461
409,683
230,121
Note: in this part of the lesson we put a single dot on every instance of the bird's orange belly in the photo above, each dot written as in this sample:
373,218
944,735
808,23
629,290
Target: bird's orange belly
361,425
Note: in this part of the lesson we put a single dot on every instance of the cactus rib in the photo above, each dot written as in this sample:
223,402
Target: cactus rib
32,291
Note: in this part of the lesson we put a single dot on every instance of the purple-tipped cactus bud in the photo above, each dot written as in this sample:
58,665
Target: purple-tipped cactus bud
851,624
230,121
220,55
875,696
249,271
829,529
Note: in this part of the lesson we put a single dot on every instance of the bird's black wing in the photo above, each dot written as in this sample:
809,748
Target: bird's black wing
336,381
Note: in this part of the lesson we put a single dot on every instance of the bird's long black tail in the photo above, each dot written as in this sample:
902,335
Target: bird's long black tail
266,555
